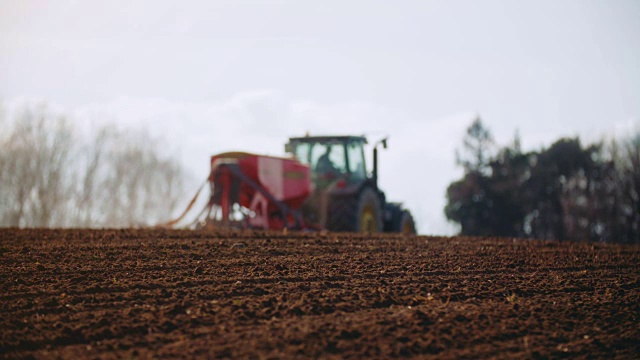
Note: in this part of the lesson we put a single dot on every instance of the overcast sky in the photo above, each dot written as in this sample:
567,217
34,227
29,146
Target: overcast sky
211,76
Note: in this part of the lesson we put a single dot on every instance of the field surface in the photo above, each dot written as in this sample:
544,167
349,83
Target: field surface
154,294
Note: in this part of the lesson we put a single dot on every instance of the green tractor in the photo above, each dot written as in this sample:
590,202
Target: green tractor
345,197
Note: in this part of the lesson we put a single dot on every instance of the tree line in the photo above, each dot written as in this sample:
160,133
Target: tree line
568,191
53,176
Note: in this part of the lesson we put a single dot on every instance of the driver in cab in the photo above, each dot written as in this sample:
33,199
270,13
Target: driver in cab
325,166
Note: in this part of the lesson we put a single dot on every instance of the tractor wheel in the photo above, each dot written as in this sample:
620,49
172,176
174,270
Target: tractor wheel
369,212
407,226
357,214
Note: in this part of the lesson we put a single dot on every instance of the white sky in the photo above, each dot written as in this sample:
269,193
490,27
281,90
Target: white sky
211,76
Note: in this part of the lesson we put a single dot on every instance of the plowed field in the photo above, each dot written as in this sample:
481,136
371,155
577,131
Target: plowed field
147,293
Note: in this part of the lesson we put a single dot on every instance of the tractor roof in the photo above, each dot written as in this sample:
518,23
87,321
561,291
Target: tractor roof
328,138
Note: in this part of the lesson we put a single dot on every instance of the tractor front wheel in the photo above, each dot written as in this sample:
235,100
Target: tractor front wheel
407,225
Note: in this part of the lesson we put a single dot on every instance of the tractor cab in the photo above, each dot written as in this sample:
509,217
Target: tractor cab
331,158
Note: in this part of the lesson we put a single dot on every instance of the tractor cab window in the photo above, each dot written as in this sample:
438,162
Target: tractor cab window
356,160
301,152
328,158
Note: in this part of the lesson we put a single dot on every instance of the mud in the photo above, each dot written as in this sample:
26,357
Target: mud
155,294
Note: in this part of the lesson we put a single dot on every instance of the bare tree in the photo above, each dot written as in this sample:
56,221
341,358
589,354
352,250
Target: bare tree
90,175
116,179
33,169
127,181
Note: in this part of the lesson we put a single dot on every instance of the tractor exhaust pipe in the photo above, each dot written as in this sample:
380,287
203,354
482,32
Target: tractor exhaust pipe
375,159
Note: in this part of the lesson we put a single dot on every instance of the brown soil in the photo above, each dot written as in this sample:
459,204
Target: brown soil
148,293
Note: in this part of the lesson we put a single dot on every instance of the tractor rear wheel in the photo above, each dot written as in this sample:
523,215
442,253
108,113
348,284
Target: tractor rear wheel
362,213
369,212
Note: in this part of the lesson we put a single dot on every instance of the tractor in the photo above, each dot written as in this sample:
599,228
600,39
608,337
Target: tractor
322,185
344,196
